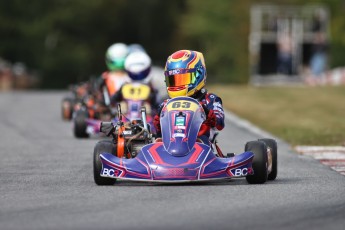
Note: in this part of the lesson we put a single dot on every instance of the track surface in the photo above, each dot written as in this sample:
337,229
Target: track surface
46,182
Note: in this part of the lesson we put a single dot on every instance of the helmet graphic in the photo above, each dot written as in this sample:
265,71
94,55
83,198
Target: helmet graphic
185,73
138,65
115,56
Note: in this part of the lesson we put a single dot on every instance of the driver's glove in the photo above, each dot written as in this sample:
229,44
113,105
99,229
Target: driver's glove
156,123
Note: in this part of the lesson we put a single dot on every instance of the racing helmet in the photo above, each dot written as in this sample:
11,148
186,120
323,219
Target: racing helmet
135,47
138,65
115,56
185,73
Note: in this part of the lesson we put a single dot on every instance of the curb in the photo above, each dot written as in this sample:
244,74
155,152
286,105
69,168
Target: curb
331,156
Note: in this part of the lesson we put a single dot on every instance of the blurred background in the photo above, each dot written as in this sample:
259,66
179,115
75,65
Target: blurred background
51,44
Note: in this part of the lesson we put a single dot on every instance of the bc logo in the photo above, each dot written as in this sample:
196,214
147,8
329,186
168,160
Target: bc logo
110,172
241,172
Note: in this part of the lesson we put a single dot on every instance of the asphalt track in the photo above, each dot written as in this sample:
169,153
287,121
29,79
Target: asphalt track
46,182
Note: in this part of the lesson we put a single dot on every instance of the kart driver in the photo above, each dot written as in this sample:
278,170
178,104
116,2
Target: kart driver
185,75
112,80
138,67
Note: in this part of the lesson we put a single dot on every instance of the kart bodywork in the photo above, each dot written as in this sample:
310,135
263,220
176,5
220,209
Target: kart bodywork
179,156
154,163
134,96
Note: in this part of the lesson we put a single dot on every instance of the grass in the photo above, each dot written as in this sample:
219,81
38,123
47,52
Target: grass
299,115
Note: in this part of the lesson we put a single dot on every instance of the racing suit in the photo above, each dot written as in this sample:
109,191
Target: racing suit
212,105
110,83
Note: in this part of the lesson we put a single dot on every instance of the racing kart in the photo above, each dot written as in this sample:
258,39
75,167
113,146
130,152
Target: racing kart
89,117
77,92
179,156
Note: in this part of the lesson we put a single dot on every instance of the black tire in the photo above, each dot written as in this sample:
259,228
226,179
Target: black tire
259,149
102,146
80,124
67,109
272,144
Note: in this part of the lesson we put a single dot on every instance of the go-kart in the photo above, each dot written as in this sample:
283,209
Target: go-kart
77,92
88,114
179,156
89,117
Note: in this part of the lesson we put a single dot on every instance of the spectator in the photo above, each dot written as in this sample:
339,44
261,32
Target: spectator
318,59
284,59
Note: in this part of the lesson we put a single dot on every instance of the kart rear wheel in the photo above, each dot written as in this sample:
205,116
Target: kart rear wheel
67,108
101,147
80,124
259,164
272,144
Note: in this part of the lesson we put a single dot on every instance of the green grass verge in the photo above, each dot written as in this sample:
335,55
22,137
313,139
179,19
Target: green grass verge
299,115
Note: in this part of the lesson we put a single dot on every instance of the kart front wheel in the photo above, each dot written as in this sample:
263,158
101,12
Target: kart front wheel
259,163
272,144
80,124
101,147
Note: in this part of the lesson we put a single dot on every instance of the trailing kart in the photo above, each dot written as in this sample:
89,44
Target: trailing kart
88,115
88,119
179,156
68,103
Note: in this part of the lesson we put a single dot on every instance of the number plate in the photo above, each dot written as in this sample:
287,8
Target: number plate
183,105
136,92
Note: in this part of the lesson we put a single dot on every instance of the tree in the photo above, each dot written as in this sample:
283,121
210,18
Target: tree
66,40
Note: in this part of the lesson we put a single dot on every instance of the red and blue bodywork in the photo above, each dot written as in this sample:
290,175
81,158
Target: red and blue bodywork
179,157
134,96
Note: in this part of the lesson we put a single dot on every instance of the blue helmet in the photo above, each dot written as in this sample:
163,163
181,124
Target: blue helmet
185,73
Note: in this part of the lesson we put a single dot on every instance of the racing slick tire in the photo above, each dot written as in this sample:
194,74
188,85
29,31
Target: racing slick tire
272,144
80,124
67,109
102,146
259,164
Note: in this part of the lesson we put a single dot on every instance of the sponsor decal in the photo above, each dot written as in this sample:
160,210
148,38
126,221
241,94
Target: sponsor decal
178,135
127,132
217,106
110,172
241,172
180,121
174,71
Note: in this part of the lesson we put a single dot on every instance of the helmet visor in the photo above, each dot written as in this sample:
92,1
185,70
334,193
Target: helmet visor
179,77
